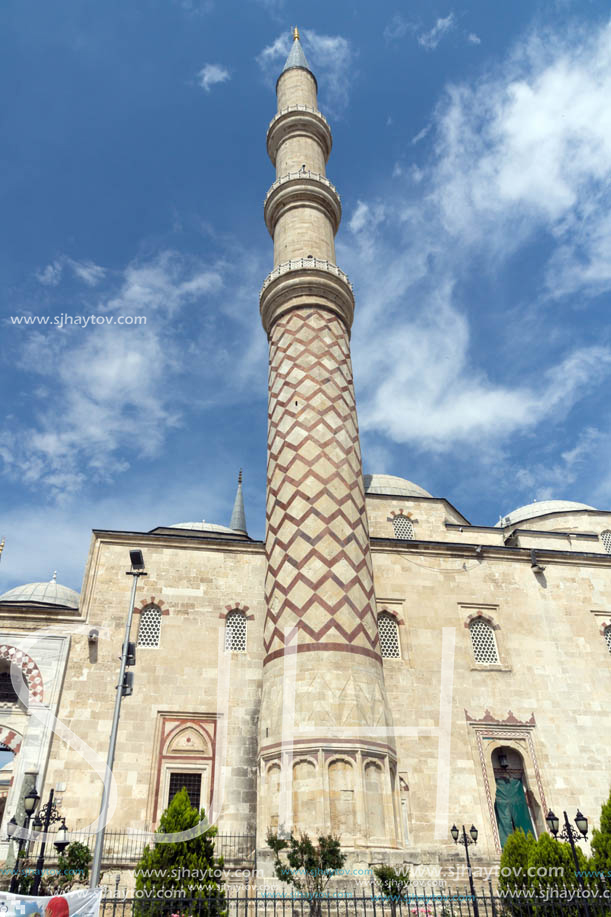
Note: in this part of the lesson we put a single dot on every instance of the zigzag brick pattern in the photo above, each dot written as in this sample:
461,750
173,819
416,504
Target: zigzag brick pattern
319,584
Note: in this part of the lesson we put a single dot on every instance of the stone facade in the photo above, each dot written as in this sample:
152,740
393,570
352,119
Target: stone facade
372,668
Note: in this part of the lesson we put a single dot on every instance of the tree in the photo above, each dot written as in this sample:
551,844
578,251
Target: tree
514,861
308,867
393,884
187,866
72,866
601,843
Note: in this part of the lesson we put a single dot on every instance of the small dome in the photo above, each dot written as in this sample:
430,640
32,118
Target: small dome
541,508
51,593
392,486
202,527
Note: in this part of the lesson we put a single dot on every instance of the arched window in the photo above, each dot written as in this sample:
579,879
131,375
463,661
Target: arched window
607,634
8,695
235,632
149,631
388,633
404,528
605,537
483,641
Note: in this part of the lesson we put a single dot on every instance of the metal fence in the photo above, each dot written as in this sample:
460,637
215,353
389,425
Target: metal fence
126,847
436,904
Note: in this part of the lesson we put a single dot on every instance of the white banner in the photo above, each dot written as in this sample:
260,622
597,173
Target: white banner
84,903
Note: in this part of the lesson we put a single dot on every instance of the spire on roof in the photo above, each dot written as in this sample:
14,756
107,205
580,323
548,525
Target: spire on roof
54,577
238,516
296,56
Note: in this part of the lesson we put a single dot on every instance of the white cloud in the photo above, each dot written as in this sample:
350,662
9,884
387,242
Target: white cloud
474,39
431,39
211,74
529,149
397,28
523,151
421,134
50,275
87,271
331,57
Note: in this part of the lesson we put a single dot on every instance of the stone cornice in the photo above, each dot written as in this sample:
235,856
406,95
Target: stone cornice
488,552
296,120
299,189
215,542
321,286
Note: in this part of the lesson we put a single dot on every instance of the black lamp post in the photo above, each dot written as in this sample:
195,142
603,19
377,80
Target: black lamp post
569,834
30,802
466,841
48,815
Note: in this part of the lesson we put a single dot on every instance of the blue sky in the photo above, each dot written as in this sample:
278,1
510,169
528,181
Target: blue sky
472,151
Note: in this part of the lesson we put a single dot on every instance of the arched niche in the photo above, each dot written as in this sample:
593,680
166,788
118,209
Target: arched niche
341,797
305,794
374,800
515,805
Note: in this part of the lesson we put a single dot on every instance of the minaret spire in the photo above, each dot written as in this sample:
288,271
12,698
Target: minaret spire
238,516
323,697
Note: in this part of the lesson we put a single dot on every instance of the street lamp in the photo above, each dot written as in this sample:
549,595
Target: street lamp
569,834
466,841
124,689
30,801
49,814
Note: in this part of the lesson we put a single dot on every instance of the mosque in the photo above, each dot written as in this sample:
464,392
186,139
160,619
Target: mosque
378,668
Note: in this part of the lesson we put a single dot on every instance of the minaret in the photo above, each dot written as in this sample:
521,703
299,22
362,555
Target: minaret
326,751
238,516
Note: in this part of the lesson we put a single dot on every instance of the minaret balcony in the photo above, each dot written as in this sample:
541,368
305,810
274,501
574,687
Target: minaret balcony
306,283
298,189
296,120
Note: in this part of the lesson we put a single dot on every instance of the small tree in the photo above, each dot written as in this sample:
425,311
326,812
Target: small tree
187,866
393,884
72,866
514,861
601,842
308,867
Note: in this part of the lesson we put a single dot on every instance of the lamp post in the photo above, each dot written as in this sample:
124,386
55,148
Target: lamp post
48,815
30,801
569,834
466,841
124,688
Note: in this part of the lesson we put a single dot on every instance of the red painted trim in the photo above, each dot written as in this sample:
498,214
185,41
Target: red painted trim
322,647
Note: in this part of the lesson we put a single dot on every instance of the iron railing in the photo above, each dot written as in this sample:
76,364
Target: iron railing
312,263
302,173
340,904
126,847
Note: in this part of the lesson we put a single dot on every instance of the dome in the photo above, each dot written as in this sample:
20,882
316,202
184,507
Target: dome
51,593
203,527
542,508
392,486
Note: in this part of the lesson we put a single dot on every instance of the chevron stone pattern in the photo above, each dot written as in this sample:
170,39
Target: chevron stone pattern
319,584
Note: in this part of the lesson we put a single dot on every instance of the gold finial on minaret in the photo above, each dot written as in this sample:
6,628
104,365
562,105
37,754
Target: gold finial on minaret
295,34
1,546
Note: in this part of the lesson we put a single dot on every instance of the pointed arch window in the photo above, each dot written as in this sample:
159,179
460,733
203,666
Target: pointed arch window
404,528
235,632
483,641
605,537
607,636
388,633
149,630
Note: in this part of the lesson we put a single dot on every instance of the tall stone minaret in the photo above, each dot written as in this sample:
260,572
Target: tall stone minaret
327,759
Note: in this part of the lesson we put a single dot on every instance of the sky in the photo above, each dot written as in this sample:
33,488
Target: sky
472,153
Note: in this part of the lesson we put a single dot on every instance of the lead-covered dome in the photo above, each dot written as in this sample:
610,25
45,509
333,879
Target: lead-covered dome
542,508
51,593
203,527
393,486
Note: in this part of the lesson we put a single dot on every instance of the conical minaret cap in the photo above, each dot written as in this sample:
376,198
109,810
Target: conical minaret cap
296,56
238,516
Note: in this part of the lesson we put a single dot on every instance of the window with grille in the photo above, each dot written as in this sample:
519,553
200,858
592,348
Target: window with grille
388,633
608,637
483,641
605,537
149,630
235,632
192,782
404,528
